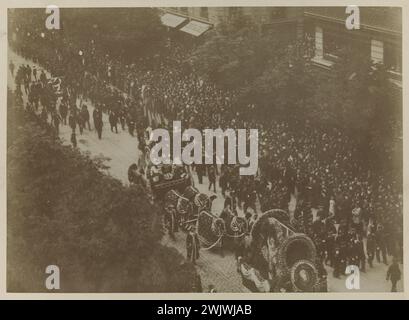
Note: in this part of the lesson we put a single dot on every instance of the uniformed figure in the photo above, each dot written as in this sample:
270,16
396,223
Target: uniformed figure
132,171
370,248
56,120
211,174
171,220
135,176
35,73
43,77
322,285
27,79
131,124
200,172
319,236
122,117
97,116
330,242
362,256
340,253
393,274
72,119
80,121
380,244
113,121
85,116
359,252
63,112
192,245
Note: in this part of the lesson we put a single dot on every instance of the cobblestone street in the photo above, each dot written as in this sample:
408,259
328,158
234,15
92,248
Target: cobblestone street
120,150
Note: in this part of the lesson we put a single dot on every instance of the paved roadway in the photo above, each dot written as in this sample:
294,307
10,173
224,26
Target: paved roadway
120,150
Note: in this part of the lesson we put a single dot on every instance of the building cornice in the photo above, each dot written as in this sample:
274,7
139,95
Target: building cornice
342,21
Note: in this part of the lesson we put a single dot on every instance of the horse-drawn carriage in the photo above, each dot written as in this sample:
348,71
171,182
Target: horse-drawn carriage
164,178
184,207
192,207
279,259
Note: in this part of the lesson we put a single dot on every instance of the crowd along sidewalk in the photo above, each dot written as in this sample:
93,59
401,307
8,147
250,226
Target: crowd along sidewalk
120,150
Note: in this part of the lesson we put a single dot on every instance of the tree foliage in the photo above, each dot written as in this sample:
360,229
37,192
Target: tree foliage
129,33
285,87
232,57
63,210
275,78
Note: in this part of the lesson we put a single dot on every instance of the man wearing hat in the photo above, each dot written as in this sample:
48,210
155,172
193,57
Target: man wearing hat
171,220
97,116
192,245
393,274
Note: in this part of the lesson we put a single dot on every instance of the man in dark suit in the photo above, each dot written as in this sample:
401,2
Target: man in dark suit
393,274
192,245
97,116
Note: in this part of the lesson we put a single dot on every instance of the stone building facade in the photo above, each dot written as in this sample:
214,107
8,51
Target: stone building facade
379,35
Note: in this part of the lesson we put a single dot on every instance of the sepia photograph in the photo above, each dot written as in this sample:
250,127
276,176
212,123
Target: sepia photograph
228,149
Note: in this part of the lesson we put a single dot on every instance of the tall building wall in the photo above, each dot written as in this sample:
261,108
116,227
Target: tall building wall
380,35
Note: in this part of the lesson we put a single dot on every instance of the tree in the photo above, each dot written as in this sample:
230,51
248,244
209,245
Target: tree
285,87
233,57
127,30
63,210
128,33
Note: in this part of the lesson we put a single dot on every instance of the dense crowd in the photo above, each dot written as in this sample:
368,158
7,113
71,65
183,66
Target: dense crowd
340,200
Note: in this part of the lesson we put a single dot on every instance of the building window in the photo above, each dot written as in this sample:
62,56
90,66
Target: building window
204,12
333,44
319,58
319,50
377,51
338,42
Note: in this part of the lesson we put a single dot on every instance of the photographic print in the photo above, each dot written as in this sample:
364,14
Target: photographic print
229,149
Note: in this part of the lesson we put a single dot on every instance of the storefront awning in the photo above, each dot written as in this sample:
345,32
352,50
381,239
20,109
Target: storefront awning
171,20
196,28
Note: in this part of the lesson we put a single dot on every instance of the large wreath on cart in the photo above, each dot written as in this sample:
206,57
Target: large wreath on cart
290,257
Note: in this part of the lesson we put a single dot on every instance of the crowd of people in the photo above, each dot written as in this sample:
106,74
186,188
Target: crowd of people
341,202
